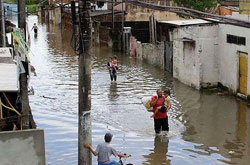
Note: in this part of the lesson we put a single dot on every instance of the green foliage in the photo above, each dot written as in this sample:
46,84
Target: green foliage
32,2
28,2
202,5
32,9
10,1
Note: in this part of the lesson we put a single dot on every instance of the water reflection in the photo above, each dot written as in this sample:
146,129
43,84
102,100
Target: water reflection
113,95
159,154
237,147
242,121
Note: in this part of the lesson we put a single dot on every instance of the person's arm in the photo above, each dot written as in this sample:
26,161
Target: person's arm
124,155
108,65
88,146
168,104
114,67
156,111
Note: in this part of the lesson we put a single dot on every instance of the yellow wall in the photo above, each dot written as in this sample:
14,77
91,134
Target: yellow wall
244,6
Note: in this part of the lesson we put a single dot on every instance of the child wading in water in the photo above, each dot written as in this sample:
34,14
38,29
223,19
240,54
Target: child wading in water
114,63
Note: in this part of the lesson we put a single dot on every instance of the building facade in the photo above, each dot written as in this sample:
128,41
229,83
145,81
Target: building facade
211,54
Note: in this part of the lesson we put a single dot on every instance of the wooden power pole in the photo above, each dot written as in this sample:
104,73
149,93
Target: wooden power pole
113,16
22,16
23,76
84,107
27,118
2,22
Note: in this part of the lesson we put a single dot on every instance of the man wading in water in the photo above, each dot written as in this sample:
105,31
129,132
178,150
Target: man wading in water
104,151
110,68
35,29
160,114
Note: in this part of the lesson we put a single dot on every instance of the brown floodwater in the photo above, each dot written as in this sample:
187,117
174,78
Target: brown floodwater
205,128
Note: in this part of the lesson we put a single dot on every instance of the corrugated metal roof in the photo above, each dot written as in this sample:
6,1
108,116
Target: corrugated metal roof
186,22
8,72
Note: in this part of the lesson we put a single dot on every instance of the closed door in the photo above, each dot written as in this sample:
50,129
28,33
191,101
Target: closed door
243,73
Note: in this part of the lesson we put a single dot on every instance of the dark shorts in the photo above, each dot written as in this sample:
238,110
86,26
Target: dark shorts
35,31
161,125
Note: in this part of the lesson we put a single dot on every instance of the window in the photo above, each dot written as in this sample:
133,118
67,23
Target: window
236,40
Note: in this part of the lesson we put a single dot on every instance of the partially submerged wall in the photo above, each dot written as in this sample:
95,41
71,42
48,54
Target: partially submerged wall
229,56
194,55
22,147
153,54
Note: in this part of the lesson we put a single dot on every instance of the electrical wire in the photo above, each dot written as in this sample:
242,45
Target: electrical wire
11,109
8,100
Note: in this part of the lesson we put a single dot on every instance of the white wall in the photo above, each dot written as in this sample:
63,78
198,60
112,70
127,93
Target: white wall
196,66
229,56
213,59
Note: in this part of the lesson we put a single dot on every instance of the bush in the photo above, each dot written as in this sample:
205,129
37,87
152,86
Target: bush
32,2
28,2
32,8
202,5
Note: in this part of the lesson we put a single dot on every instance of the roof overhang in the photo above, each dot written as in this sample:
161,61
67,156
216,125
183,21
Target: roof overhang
190,22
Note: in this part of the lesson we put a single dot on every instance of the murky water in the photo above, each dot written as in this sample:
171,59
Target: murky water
204,128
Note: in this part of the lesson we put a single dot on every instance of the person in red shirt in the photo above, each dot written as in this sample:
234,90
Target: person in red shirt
160,117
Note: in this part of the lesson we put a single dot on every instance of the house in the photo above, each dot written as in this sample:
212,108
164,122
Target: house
208,54
194,51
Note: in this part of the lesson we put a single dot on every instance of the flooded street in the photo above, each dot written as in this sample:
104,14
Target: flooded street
205,128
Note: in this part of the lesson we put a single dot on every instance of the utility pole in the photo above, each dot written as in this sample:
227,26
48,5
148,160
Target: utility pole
84,89
123,37
113,16
22,16
27,118
3,35
23,76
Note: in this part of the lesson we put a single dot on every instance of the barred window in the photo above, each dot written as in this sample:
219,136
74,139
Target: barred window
236,40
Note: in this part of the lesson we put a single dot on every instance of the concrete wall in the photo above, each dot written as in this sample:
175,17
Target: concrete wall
229,56
153,54
57,16
22,147
194,55
104,36
137,13
138,50
245,6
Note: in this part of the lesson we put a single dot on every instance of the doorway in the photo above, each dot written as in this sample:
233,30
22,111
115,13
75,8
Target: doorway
243,72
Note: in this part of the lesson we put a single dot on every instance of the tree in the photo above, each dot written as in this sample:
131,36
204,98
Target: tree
202,5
